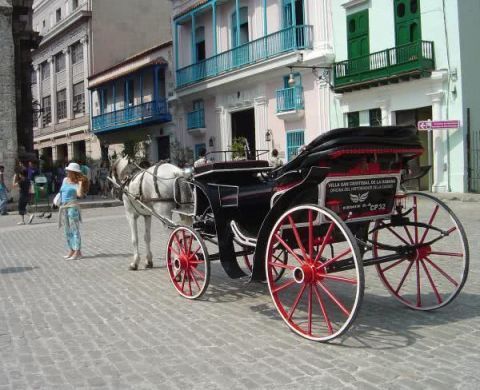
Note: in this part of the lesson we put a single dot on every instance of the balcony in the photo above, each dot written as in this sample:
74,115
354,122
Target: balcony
413,60
154,111
290,103
196,122
283,41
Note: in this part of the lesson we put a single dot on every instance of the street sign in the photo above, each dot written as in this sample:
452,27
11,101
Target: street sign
436,125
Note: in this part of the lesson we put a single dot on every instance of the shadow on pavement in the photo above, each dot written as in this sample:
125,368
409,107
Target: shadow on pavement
14,270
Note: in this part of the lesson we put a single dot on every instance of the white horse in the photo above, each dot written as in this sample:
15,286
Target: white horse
154,187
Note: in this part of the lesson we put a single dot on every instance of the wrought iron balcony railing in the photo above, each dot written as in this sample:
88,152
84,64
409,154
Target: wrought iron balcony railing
290,99
413,58
280,42
156,110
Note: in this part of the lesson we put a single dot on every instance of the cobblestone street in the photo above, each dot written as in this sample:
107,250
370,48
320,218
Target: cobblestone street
91,323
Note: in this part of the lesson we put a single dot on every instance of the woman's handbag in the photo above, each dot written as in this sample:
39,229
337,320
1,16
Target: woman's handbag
57,200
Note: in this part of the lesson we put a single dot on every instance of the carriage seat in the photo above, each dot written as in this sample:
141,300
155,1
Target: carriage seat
231,166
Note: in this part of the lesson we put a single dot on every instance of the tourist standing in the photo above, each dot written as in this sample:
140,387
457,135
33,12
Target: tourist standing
23,185
3,192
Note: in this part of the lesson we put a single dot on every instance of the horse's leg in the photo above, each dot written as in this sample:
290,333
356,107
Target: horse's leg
132,220
147,238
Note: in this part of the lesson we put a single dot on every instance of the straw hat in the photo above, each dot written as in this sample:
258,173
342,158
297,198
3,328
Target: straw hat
73,167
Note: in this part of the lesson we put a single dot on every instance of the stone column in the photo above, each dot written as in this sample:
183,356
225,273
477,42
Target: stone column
68,69
386,114
54,150
261,125
439,145
323,98
223,136
53,90
69,151
86,70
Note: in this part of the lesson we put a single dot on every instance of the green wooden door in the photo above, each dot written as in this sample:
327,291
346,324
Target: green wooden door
407,21
357,34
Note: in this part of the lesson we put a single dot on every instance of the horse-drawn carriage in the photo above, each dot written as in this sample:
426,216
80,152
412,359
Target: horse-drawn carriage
310,227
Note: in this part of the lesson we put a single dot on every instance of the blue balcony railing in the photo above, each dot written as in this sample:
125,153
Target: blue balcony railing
196,119
280,42
154,111
290,99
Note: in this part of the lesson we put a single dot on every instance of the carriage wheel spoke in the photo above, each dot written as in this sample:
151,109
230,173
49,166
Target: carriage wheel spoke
322,308
179,245
452,229
404,277
415,216
419,297
408,234
452,254
430,279
283,286
281,265
430,221
184,280
295,303
174,251
334,299
340,279
310,310
194,278
336,258
310,233
199,273
189,282
297,236
393,265
324,242
395,233
287,247
447,276
192,254
190,244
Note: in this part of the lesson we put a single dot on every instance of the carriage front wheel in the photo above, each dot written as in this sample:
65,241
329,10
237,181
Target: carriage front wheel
322,286
431,274
187,262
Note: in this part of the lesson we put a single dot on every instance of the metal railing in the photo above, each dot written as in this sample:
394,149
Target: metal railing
285,40
196,119
289,99
130,116
386,63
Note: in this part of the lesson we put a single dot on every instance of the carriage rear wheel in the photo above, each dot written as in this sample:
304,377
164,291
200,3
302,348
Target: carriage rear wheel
432,275
187,262
322,286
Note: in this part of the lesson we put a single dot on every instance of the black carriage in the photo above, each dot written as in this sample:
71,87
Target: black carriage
310,227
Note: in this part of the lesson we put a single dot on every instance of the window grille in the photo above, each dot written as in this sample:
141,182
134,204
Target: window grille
62,104
78,98
47,111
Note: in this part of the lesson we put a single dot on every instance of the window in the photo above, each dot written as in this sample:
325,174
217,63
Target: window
78,98
77,53
198,149
59,62
45,69
295,139
62,104
74,4
47,111
353,119
200,43
129,93
58,15
243,19
44,24
292,8
407,22
375,117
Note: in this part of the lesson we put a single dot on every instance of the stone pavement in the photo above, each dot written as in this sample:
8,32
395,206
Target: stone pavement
92,323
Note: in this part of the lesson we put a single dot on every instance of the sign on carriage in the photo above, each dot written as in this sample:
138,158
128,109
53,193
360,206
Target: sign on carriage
438,125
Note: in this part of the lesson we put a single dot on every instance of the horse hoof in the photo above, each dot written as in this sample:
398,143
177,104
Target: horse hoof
133,267
149,265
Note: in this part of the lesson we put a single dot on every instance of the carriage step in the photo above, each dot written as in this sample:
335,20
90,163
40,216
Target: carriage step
241,236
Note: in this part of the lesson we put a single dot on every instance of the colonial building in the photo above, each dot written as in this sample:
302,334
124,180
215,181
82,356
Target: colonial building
81,38
129,104
243,70
16,41
404,61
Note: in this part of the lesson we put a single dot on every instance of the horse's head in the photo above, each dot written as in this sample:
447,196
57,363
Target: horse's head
120,169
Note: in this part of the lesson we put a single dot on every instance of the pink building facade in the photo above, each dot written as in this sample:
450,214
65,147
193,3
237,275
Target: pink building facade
242,69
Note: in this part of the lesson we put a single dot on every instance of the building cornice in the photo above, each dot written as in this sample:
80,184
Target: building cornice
354,3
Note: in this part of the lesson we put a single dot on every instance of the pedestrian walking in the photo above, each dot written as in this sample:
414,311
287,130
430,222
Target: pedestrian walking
74,186
3,192
102,174
23,185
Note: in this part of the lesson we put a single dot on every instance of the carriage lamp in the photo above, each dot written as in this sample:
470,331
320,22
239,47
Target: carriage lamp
291,79
268,135
322,73
211,142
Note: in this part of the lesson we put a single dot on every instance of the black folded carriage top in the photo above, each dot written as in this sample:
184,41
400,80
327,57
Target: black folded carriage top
361,138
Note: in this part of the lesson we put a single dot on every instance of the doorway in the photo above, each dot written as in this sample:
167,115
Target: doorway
163,148
411,118
243,125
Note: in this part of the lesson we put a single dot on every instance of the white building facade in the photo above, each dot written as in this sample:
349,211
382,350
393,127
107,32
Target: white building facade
399,62
239,73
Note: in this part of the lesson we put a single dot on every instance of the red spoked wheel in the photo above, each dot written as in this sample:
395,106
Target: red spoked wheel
279,255
322,286
431,274
187,262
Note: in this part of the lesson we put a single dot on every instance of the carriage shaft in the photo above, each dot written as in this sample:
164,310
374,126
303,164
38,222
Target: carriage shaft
348,264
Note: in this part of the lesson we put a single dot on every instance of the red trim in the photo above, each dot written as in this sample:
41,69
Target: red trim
343,152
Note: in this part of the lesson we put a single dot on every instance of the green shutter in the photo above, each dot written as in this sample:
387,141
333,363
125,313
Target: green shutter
407,21
357,34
